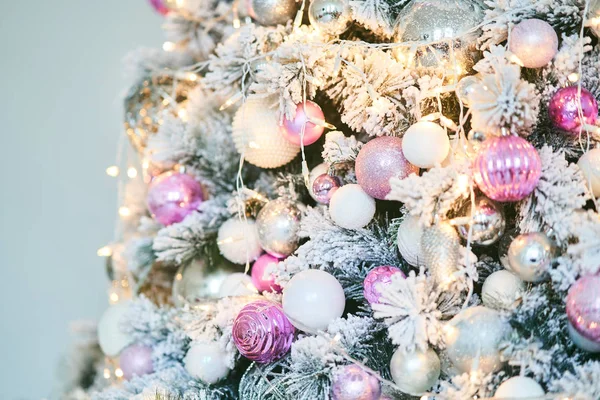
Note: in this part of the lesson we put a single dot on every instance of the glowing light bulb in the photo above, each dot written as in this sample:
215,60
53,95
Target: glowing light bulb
105,251
119,373
113,171
132,172
574,77
182,113
106,373
169,46
124,211
113,298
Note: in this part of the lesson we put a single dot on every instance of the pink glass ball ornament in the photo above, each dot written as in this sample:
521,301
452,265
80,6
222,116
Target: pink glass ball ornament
354,383
172,196
377,277
259,280
564,109
379,160
159,6
507,168
534,42
583,312
262,332
136,360
324,186
306,116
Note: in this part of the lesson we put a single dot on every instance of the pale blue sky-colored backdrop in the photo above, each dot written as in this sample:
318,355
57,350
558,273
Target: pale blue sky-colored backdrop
60,116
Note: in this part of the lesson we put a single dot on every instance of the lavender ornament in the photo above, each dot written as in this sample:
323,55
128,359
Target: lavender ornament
324,186
354,383
173,196
136,360
377,277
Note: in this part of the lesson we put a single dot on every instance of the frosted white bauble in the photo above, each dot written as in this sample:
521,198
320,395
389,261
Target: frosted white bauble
110,335
501,290
256,135
351,208
238,240
207,362
415,372
313,299
589,163
425,144
238,284
314,174
519,387
409,240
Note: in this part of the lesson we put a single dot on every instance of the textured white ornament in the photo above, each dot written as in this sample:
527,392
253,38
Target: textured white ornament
110,336
409,240
440,247
519,387
238,240
589,163
351,208
415,372
207,362
238,284
425,144
314,174
256,135
502,290
313,299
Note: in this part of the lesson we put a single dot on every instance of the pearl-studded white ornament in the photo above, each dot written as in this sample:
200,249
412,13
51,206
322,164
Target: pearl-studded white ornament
425,144
238,240
501,290
519,387
351,208
409,240
313,299
256,135
317,171
415,372
111,337
589,163
238,284
207,362
534,42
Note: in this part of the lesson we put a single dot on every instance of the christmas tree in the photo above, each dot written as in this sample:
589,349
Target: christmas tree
356,200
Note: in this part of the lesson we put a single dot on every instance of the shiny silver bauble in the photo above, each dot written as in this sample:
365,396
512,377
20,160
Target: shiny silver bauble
530,256
272,12
197,281
487,222
332,17
278,224
415,372
465,87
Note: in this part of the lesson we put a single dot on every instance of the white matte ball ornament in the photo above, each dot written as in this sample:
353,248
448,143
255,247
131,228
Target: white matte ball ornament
534,42
415,372
501,290
238,284
238,240
110,336
589,163
519,387
256,135
313,299
425,144
409,240
207,362
351,208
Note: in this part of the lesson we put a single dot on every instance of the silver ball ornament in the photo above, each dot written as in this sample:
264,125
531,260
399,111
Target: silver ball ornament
415,372
473,337
502,290
486,219
272,12
332,17
530,256
465,87
440,249
278,223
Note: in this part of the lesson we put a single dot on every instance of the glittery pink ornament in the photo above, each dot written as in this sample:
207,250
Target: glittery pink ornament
564,109
354,383
258,274
159,6
378,161
172,196
507,168
324,186
136,360
377,277
583,307
305,113
262,332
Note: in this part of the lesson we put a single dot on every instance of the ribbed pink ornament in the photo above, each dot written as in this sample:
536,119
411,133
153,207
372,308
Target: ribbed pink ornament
262,332
583,307
507,168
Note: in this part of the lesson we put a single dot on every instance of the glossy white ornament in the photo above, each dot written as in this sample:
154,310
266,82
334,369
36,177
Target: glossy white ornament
534,42
237,240
519,387
502,290
409,240
425,144
317,171
238,284
530,256
313,299
415,372
111,337
207,362
465,87
257,137
351,208
332,17
589,163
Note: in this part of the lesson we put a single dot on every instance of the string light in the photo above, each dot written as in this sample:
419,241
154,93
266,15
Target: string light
124,211
105,251
574,77
119,373
169,46
113,298
132,172
182,113
106,373
112,171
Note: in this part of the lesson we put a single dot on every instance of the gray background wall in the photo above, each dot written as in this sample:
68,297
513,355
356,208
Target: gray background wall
60,117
